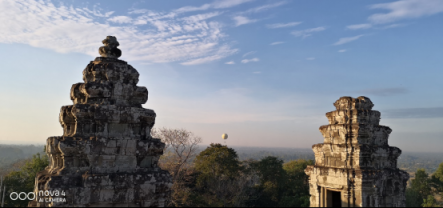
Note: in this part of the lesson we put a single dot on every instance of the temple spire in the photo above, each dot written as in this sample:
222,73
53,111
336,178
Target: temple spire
106,156
355,166
110,49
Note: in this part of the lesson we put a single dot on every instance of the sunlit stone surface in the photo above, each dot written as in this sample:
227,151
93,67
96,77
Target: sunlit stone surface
106,156
355,166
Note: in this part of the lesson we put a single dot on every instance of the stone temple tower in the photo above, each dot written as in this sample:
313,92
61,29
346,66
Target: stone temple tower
355,166
106,156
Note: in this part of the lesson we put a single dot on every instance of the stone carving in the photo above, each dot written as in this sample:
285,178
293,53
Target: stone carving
110,49
106,156
355,166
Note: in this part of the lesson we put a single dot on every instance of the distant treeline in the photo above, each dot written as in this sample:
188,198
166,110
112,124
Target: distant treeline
239,176
285,154
412,161
12,156
409,161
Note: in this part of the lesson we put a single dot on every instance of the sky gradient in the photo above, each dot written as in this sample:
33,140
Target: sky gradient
264,72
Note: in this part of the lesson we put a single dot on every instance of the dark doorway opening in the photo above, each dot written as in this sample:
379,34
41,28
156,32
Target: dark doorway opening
334,199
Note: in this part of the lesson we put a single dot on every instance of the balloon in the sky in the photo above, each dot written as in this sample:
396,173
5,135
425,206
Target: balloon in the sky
225,136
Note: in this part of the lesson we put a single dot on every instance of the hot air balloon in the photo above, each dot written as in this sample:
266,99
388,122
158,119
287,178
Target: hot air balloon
225,136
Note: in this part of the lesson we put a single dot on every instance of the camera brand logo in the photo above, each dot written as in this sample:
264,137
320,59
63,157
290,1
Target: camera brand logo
44,196
22,196
52,196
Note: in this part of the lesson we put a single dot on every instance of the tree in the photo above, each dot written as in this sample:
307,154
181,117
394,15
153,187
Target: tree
420,191
181,147
429,202
24,179
220,180
297,186
272,181
421,184
437,178
413,198
439,172
219,161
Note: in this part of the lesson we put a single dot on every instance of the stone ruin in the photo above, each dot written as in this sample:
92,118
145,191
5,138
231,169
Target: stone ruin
355,166
106,156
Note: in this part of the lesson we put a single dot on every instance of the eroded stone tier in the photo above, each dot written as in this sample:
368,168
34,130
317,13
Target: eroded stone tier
106,156
355,159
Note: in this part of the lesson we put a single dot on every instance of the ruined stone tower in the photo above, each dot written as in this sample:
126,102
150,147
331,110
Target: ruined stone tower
355,166
106,156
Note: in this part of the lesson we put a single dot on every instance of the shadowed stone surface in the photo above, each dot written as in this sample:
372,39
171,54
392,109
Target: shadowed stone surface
355,166
106,156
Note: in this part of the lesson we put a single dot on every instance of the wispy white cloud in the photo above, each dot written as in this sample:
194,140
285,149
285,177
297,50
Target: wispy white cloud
342,50
219,4
96,12
282,25
342,41
221,53
242,20
120,19
66,29
201,17
276,43
222,4
307,32
138,11
405,9
192,8
264,7
359,26
230,62
249,53
310,58
245,61
393,26
257,72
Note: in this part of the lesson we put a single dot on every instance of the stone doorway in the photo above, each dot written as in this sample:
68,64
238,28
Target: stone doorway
334,198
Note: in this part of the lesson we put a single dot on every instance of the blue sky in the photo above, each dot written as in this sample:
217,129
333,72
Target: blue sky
265,72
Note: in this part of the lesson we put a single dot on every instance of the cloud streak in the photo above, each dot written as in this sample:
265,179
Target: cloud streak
342,41
249,53
242,20
264,7
121,19
276,43
219,4
359,26
282,25
169,38
405,9
245,61
308,32
223,4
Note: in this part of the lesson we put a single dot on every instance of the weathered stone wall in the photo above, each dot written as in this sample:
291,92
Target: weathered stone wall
106,156
356,160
